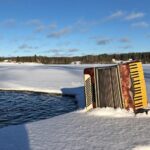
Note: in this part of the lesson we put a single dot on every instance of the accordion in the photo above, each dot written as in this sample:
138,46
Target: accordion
121,85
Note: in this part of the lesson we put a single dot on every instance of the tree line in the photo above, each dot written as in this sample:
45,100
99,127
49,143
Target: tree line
88,59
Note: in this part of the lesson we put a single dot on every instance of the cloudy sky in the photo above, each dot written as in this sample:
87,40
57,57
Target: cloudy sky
73,27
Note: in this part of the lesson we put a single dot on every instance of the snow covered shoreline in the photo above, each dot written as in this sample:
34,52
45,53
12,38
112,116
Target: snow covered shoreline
101,129
55,79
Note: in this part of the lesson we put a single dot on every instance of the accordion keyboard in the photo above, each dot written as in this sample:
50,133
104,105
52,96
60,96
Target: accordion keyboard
138,85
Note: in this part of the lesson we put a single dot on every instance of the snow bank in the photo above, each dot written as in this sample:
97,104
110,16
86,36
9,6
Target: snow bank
110,112
142,148
115,113
77,131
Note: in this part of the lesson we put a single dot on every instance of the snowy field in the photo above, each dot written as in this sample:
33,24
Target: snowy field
101,129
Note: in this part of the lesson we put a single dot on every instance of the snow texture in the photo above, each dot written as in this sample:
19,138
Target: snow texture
100,129
142,148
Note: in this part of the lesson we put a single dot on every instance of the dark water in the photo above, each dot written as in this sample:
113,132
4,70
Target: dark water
22,107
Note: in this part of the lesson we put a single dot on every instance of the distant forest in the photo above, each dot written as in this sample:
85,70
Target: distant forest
88,59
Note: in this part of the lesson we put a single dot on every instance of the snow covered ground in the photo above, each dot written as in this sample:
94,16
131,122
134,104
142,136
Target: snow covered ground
101,129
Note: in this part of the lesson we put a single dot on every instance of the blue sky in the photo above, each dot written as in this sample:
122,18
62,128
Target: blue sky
73,27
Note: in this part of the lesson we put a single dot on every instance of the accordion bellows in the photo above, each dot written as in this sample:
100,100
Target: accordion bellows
121,85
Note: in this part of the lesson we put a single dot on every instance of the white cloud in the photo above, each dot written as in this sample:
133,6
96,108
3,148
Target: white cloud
8,23
126,47
79,26
52,26
116,14
35,22
124,40
134,15
84,26
66,43
86,23
148,36
55,52
40,26
61,51
27,47
103,41
72,50
141,24
60,33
